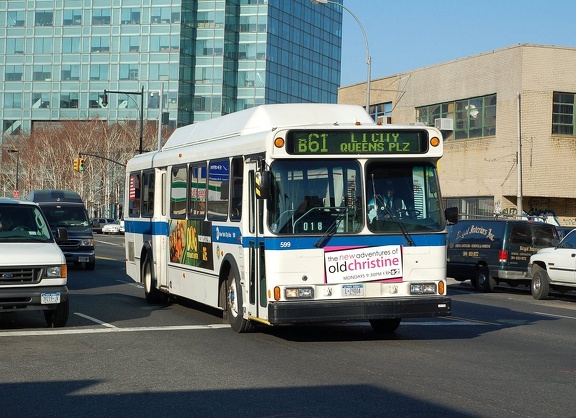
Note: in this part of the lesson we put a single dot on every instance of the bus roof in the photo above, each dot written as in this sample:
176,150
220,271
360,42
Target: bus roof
267,117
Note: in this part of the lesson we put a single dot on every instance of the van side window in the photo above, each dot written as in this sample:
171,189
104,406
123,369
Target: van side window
543,235
520,234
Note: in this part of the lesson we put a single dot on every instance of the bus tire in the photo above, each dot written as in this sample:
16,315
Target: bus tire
385,325
540,285
484,281
235,303
153,295
57,318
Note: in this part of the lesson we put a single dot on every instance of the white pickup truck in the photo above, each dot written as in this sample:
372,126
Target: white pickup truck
554,268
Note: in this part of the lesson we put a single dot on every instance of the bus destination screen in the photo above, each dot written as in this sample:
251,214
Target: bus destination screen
320,142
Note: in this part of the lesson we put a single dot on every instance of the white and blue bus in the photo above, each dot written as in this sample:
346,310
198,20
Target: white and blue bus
279,215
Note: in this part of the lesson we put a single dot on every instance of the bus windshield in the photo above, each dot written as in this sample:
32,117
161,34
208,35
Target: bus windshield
402,195
316,196
319,196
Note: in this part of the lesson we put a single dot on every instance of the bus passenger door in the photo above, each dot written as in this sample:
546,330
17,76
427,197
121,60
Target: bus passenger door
254,249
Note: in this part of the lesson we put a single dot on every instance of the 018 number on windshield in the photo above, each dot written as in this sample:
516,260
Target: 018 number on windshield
312,226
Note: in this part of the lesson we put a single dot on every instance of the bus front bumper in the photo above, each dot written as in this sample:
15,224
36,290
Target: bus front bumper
295,312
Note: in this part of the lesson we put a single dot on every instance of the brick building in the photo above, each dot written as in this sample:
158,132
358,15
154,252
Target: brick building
490,105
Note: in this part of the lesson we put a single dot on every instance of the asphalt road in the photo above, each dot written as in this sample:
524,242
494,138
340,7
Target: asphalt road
502,354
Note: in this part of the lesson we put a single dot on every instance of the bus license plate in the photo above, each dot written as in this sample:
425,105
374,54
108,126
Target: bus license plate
353,290
48,298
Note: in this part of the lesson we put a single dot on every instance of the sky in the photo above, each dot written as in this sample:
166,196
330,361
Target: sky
405,35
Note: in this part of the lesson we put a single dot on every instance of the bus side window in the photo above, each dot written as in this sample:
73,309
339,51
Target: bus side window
236,189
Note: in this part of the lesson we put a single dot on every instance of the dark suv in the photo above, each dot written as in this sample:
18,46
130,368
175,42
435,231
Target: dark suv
491,251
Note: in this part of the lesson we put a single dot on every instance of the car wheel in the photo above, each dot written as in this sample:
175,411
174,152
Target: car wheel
385,325
484,281
57,318
234,304
540,285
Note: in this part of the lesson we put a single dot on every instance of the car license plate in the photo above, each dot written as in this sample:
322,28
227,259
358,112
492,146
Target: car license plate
83,259
353,290
48,298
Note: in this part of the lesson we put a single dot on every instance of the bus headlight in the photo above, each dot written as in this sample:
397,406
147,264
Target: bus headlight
299,293
422,288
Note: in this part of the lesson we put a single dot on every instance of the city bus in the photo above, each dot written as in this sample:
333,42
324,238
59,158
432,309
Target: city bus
276,216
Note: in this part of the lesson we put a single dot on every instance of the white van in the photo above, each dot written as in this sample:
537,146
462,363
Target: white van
33,269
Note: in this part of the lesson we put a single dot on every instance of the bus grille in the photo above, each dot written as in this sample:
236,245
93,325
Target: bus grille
15,275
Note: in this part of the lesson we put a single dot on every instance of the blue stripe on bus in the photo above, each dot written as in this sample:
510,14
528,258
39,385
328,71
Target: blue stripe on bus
298,243
232,235
146,227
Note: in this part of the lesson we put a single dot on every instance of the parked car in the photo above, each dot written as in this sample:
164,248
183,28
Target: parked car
490,251
98,224
33,272
554,268
113,228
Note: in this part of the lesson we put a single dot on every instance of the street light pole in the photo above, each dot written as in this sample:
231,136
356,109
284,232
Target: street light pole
141,93
368,59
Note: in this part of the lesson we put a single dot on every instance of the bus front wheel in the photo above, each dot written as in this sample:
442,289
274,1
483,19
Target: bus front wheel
385,325
234,304
153,295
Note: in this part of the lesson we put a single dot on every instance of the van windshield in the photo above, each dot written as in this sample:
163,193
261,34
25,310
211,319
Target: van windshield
66,216
22,223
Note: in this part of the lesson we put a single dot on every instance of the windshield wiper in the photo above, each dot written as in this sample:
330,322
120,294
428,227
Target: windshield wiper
400,224
331,229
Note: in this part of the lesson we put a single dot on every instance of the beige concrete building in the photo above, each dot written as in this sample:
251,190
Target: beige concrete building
490,105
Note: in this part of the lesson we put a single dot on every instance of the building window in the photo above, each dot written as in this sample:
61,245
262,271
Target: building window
13,100
161,15
40,100
16,18
130,16
11,127
563,113
70,72
100,44
69,100
473,118
99,72
129,44
128,71
95,100
472,207
43,45
15,45
382,111
41,73
44,18
71,45
101,17
72,17
13,72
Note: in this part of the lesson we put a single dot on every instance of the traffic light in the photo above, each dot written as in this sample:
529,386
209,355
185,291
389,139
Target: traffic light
81,167
76,164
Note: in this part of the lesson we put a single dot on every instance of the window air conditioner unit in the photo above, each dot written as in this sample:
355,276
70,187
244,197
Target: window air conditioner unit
385,120
444,124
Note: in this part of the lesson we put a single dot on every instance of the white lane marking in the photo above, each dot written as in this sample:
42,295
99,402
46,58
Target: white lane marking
109,243
555,316
64,331
95,320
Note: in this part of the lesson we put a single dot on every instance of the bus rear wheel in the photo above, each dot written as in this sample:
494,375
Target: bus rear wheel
235,303
385,325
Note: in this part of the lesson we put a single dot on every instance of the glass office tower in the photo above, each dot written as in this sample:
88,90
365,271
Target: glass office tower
204,58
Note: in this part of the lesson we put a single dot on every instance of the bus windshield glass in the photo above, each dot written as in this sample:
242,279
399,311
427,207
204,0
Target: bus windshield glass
402,196
316,197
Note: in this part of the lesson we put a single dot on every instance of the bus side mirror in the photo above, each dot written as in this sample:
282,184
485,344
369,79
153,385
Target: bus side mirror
451,215
263,184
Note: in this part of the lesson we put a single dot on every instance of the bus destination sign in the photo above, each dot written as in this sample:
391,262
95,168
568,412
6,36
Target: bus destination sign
324,142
